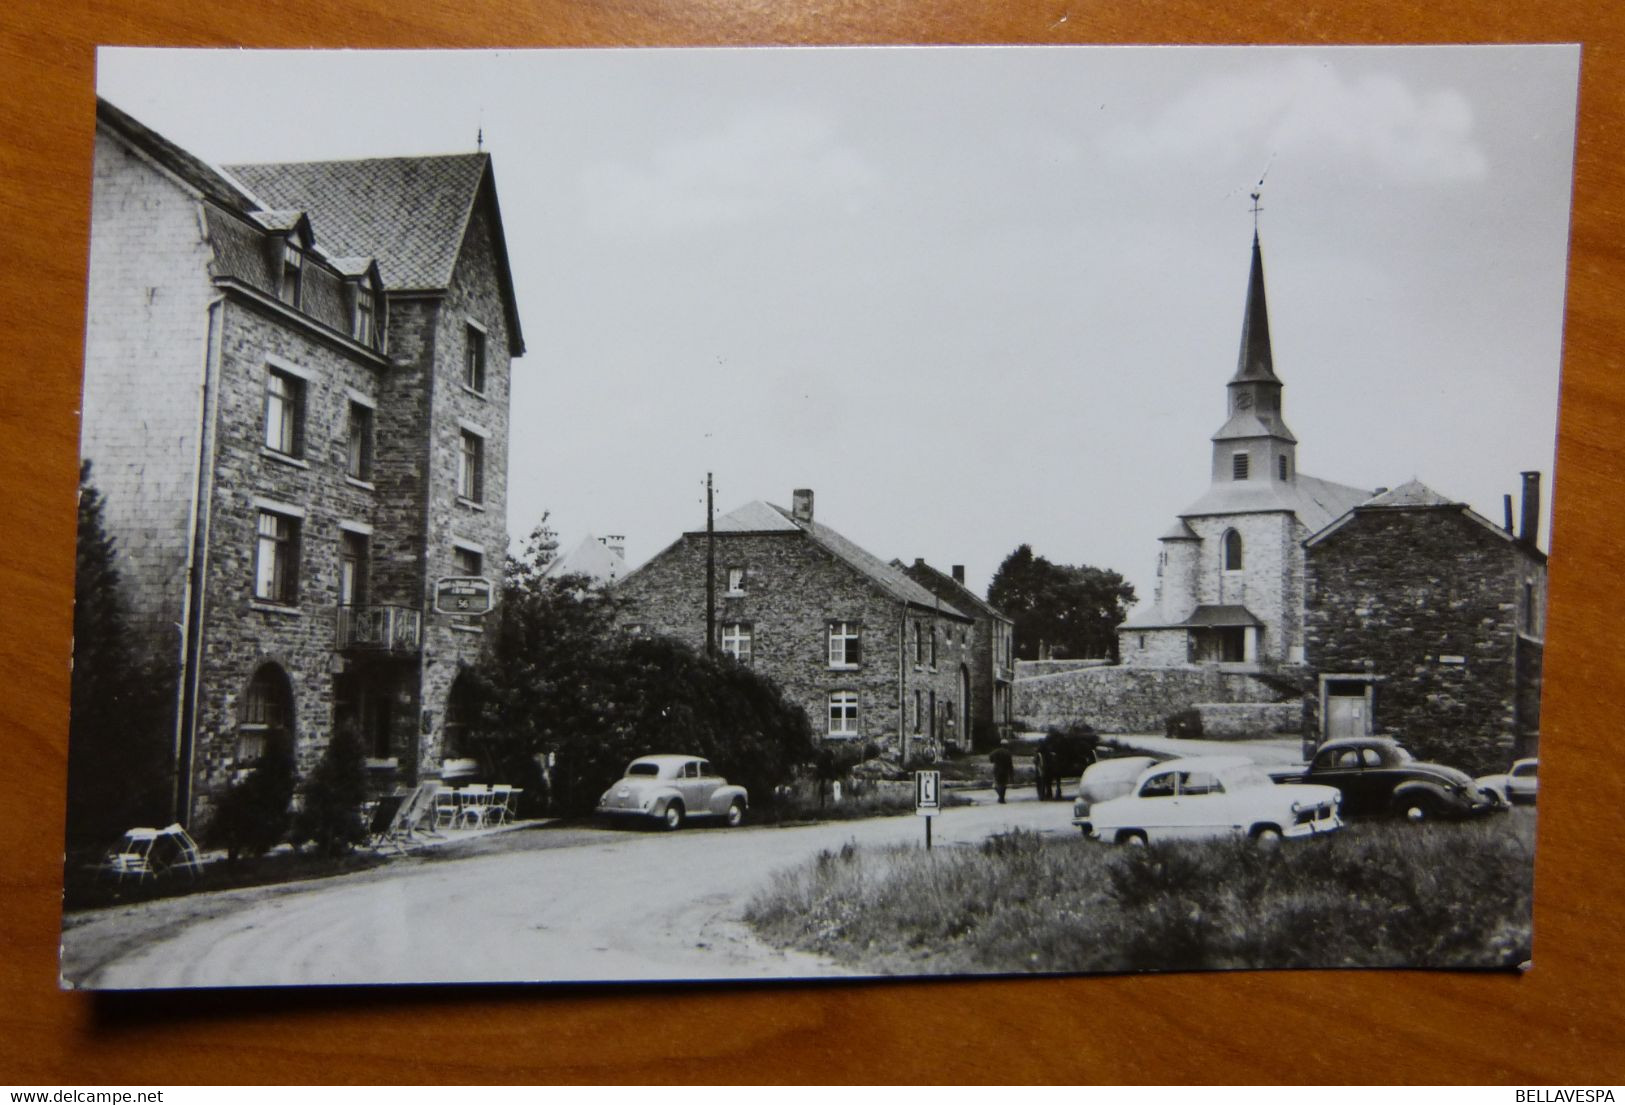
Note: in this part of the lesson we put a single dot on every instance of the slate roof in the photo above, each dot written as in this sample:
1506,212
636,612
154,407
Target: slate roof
1316,502
1414,495
950,587
1256,361
591,558
1213,615
763,517
408,212
213,183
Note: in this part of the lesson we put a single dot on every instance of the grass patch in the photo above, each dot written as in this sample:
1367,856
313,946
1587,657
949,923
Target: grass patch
875,800
1377,894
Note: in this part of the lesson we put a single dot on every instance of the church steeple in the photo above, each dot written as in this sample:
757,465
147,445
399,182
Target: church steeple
1255,445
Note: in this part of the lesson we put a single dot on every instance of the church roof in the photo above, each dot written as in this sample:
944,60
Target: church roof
1316,502
1245,424
1212,616
1256,361
1180,531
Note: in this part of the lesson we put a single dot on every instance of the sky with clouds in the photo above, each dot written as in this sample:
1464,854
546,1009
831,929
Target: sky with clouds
973,297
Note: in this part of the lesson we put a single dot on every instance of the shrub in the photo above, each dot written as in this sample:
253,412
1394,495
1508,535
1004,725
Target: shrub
253,817
331,814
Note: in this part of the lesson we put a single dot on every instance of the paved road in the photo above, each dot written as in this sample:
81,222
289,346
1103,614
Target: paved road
609,905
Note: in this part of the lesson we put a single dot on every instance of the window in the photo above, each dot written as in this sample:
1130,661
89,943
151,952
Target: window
919,709
474,360
1280,466
293,274
919,644
362,327
736,641
843,714
1165,785
352,569
1238,466
358,459
1529,608
284,412
933,646
1200,782
736,581
1232,551
471,467
266,715
845,647
276,559
466,561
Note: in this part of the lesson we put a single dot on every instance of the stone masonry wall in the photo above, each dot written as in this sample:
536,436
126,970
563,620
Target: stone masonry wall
1133,699
240,631
793,590
1428,601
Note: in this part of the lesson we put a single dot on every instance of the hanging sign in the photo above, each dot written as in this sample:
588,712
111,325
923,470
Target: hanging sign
471,595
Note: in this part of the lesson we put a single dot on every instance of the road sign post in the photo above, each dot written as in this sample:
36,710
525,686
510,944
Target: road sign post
927,799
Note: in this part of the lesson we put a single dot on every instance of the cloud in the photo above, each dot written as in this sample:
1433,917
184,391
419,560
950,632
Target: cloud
764,161
1305,108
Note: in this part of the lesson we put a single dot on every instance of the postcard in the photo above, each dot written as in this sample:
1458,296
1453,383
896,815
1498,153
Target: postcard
793,513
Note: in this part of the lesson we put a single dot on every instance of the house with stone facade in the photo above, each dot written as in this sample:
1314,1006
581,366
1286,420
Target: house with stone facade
296,407
992,659
1426,622
870,654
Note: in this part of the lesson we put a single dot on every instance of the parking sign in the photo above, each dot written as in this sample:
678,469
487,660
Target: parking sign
927,793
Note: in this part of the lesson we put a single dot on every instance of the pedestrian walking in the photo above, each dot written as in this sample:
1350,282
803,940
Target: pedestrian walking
1003,767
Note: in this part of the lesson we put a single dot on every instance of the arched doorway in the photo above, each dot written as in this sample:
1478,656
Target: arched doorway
266,718
457,752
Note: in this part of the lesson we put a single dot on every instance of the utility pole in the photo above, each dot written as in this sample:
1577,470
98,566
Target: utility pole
710,572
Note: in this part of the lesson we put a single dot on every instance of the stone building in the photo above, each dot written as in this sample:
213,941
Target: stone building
1230,573
1426,622
870,654
296,406
992,657
600,559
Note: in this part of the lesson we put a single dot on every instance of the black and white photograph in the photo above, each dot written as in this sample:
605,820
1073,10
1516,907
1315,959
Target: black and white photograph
751,514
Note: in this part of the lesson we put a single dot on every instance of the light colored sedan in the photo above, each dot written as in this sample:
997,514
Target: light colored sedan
1518,786
672,789
1211,796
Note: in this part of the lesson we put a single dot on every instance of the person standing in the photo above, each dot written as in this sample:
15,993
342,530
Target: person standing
1003,768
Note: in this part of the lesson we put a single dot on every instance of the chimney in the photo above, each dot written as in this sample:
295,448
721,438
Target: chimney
1506,506
801,504
615,543
959,574
1529,524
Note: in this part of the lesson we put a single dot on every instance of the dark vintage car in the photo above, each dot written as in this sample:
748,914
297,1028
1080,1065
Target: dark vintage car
1060,756
1378,775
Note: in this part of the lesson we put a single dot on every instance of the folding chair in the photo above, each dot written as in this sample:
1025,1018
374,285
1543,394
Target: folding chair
446,808
476,803
500,811
383,820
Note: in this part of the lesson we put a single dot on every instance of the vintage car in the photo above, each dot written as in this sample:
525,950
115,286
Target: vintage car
1379,775
672,789
1517,786
1104,780
1210,796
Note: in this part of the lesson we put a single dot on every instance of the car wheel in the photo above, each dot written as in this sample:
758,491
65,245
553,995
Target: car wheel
1418,809
674,816
1132,837
1266,836
736,814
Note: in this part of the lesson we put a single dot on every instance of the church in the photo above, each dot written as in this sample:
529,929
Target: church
1230,577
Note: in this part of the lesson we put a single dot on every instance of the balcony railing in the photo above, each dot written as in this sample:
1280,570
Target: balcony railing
380,627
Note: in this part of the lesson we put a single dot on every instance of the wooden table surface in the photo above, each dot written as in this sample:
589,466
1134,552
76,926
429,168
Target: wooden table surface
1564,1022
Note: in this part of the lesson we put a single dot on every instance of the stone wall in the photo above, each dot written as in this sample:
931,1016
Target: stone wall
1249,720
1428,602
1031,669
1135,700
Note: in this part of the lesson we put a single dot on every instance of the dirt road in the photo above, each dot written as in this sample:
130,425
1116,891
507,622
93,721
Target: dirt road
610,905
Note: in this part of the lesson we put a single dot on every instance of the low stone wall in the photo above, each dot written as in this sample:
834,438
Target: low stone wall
1249,720
1031,669
1118,699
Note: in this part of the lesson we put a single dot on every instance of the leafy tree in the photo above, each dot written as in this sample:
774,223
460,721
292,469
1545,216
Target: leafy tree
1074,610
119,729
252,817
557,676
331,814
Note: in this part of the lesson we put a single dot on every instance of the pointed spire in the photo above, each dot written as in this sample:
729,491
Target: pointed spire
1256,362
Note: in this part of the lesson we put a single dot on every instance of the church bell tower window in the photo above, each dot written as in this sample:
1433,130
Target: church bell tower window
1238,466
1280,465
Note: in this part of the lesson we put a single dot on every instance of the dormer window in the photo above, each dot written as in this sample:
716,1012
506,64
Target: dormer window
293,273
363,325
